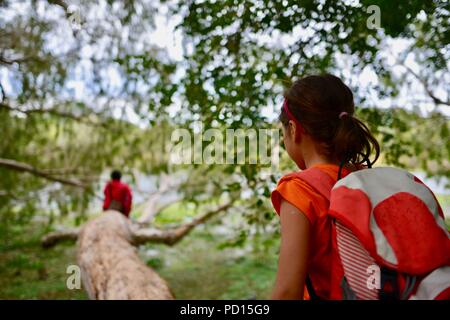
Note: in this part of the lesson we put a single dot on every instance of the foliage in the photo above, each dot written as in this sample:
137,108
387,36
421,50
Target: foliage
81,98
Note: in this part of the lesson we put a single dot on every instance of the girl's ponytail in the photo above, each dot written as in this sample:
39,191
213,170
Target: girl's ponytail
354,142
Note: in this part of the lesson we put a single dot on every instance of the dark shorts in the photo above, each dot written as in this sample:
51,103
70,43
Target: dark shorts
116,205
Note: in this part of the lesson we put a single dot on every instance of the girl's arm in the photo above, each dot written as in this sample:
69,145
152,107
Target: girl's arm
292,263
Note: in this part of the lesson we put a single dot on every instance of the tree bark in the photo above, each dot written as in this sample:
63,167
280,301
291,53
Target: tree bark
110,265
53,238
108,258
24,167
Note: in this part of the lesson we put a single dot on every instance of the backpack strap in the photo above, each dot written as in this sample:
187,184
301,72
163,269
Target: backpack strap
389,284
318,180
311,291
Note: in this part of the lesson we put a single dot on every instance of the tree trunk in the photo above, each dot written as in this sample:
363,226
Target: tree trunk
108,259
109,263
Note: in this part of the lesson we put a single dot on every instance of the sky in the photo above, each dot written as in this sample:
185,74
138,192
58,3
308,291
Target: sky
171,40
165,36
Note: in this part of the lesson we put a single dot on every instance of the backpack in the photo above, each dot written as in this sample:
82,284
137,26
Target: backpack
389,232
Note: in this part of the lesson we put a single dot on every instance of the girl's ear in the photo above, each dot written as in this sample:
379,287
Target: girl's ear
295,131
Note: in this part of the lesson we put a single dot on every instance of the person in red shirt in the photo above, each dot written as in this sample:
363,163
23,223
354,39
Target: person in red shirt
118,195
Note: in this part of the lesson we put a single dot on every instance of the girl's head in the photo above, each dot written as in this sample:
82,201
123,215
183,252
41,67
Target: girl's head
318,118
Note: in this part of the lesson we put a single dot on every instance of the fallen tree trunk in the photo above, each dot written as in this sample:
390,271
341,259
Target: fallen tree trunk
110,265
108,258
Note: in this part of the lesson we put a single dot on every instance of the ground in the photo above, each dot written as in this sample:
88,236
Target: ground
195,268
29,272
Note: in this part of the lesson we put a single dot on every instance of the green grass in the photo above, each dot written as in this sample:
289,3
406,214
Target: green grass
28,271
197,269
194,268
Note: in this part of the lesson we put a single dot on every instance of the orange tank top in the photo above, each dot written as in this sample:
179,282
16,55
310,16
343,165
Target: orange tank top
315,207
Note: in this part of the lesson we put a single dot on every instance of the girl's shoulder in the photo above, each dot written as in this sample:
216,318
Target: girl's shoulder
292,188
300,194
331,169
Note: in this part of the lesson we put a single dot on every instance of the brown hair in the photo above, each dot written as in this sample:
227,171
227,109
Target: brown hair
316,102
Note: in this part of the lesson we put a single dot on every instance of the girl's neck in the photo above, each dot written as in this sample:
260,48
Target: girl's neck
318,159
313,161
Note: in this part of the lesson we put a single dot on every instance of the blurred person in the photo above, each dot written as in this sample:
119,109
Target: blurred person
118,195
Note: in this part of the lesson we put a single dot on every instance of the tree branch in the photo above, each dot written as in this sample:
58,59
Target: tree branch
174,235
60,3
2,91
23,167
51,239
142,235
429,92
154,205
54,112
152,209
5,61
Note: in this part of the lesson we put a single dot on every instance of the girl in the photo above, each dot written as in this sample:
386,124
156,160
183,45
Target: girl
320,130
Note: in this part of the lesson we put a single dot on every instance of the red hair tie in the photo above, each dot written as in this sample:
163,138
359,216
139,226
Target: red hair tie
291,116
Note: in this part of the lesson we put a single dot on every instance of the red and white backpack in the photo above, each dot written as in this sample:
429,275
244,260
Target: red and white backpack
390,234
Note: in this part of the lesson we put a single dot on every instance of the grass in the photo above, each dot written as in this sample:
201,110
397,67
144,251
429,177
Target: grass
195,268
29,272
